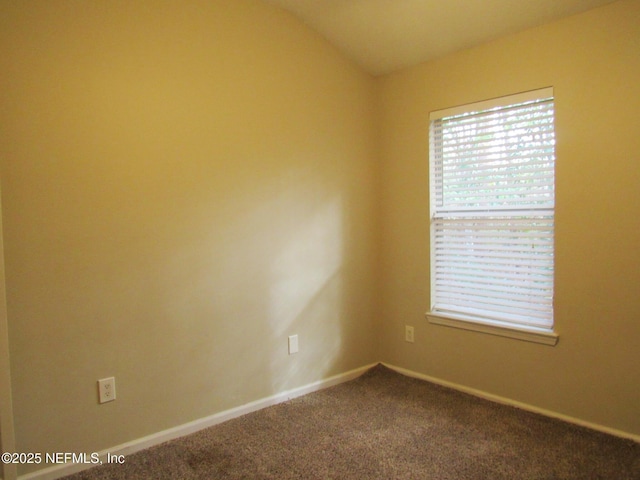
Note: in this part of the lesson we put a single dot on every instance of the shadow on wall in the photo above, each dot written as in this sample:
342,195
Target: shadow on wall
273,268
184,188
306,292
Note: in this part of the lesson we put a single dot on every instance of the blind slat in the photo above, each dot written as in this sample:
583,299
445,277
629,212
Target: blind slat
492,190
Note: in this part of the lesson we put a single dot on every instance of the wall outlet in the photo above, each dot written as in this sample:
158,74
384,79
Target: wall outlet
106,389
293,344
408,333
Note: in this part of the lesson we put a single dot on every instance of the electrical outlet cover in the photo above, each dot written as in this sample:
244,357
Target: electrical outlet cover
293,344
408,334
106,389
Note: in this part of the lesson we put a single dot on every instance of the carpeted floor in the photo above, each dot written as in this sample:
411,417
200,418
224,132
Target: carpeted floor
384,425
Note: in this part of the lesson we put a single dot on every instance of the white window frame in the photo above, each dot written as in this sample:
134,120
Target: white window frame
442,310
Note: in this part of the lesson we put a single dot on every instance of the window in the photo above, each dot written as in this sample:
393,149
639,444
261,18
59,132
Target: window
492,216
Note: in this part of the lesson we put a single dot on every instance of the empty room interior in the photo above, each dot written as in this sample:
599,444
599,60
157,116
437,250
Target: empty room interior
226,203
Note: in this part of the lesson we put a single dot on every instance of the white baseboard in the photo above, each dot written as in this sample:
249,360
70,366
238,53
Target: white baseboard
58,471
514,403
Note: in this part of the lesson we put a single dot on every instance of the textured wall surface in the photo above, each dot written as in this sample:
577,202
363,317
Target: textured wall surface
184,184
593,62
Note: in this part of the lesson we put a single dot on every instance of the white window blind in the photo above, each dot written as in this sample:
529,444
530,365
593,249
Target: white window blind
492,211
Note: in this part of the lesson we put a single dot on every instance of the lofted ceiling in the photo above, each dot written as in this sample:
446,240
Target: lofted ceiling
387,35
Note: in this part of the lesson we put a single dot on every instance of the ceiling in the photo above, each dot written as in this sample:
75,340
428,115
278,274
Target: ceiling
387,35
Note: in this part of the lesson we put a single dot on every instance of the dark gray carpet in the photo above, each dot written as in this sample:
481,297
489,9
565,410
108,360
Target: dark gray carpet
384,425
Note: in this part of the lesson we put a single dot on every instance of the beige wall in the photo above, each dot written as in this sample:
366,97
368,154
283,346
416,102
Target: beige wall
184,185
593,62
7,434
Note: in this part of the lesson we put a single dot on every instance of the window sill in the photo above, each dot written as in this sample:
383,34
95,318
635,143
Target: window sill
527,335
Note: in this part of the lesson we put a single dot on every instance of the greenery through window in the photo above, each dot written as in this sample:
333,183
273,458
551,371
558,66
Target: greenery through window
492,211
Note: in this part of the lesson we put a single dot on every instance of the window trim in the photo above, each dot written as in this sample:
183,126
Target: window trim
530,334
494,327
492,103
